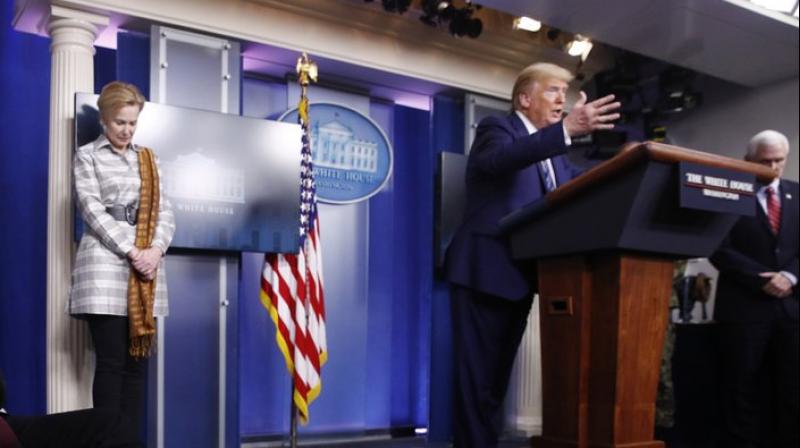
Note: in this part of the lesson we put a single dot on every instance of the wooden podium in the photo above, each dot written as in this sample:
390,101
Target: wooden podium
606,243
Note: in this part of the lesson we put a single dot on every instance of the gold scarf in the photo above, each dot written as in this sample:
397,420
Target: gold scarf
141,292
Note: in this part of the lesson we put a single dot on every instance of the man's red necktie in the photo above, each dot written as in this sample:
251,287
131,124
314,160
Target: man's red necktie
773,210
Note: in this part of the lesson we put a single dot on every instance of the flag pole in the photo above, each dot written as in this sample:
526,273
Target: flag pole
293,422
306,72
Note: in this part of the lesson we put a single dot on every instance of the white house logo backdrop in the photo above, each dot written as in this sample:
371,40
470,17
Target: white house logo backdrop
352,156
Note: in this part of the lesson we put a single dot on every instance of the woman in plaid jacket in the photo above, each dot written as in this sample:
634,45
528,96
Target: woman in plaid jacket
118,282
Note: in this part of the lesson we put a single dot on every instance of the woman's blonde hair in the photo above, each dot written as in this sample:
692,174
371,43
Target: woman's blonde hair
116,95
537,72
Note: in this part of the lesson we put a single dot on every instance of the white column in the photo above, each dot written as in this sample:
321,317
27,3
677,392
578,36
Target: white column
524,399
69,360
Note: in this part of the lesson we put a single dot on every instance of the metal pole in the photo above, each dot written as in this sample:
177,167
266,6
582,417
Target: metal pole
307,72
293,422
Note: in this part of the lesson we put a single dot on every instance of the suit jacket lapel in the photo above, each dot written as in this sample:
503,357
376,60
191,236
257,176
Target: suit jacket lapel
517,125
522,131
559,169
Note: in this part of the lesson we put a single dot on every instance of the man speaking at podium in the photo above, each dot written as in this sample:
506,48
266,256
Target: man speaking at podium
757,306
513,161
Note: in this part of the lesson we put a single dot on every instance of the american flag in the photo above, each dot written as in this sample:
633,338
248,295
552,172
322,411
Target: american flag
291,290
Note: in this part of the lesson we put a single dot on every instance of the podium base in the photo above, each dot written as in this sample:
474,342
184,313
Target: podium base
546,442
603,320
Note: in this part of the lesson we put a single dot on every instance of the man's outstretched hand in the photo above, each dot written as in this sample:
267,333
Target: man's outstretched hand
587,117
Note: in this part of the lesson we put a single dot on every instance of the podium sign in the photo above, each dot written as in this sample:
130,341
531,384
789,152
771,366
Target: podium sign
717,189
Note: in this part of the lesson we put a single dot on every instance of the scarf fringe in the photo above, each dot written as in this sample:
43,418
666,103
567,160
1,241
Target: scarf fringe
142,346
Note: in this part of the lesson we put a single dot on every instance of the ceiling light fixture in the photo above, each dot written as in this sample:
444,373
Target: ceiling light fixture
580,46
527,24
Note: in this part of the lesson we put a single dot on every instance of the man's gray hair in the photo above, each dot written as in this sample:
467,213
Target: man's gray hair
767,137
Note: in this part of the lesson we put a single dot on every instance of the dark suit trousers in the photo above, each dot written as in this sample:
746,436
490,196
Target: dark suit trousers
487,331
94,428
751,351
118,377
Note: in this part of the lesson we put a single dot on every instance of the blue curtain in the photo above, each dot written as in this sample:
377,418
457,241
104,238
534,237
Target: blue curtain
24,114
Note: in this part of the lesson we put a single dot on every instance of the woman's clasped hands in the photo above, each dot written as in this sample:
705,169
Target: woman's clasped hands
145,261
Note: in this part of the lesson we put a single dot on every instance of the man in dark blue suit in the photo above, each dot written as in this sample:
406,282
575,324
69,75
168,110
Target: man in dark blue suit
513,161
757,306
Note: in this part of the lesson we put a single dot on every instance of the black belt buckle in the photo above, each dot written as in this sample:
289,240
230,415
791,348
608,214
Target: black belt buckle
130,214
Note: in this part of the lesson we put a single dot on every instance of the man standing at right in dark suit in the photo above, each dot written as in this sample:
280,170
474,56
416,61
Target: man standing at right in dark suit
514,160
757,306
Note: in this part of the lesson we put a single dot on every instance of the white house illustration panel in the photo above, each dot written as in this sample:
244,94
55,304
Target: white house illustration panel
197,177
333,145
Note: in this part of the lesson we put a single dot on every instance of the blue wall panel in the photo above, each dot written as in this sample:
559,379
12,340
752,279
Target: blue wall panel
264,382
134,64
263,98
191,351
24,114
448,135
448,124
342,404
105,67
382,261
